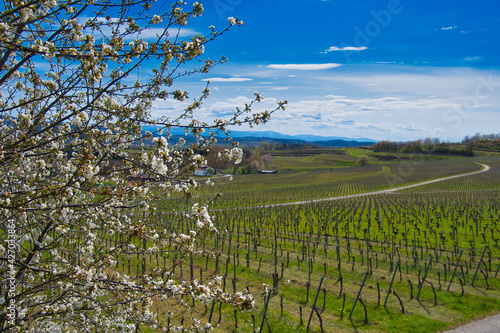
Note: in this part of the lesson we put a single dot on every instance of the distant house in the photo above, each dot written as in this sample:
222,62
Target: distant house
204,171
273,170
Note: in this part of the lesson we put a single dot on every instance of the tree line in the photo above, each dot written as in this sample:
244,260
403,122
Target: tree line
435,146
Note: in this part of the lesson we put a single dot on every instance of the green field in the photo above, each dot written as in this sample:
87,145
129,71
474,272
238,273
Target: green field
402,245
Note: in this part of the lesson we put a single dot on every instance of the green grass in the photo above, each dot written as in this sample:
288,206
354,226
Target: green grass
358,152
313,162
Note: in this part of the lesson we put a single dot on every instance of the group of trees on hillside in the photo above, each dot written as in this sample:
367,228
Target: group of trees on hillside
428,146
488,142
481,137
276,145
435,146
252,160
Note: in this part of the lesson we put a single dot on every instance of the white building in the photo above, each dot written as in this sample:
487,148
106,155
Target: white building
204,171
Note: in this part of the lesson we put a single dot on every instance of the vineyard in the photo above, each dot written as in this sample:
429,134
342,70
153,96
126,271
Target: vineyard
421,259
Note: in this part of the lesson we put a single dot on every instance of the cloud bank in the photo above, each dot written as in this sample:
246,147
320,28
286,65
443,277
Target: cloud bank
304,67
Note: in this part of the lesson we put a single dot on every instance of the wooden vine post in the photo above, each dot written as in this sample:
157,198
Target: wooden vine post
454,270
314,303
359,293
392,281
423,279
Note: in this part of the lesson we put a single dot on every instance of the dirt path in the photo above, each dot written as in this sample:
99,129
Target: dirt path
486,325
392,190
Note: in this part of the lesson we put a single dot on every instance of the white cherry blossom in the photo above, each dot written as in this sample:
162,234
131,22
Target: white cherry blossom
77,85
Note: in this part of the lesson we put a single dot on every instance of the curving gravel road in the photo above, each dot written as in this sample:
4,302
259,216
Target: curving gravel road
486,325
484,169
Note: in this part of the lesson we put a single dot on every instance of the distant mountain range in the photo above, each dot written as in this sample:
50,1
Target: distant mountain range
302,137
249,138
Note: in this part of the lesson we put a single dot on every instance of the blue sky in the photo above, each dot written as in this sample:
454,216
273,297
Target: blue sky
397,70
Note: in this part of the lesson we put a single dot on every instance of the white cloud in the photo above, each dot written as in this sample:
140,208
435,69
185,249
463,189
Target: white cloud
341,106
335,96
304,67
280,88
183,32
156,32
228,79
148,34
346,122
448,83
408,115
410,128
345,48
229,105
473,58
